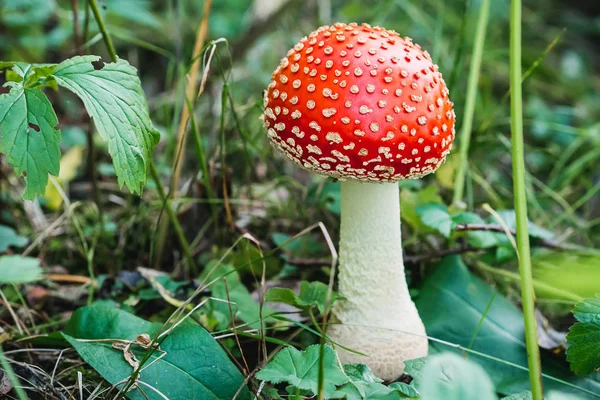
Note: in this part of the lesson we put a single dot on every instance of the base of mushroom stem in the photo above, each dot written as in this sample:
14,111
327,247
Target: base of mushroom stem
387,349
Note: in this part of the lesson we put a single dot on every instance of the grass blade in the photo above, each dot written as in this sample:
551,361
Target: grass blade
467,124
520,202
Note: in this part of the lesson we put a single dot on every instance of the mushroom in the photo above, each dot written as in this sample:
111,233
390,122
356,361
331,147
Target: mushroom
368,107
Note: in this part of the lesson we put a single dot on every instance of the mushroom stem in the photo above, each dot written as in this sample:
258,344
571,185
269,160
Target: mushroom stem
378,317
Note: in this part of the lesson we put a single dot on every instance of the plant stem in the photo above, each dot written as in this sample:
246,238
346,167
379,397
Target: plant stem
102,27
186,112
467,124
91,161
518,161
185,246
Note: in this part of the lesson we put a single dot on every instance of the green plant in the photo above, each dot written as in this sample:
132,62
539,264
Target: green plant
520,201
112,96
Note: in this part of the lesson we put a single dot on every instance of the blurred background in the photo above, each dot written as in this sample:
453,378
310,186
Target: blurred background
232,182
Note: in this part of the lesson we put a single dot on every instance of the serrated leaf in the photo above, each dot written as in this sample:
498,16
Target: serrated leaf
364,385
450,377
193,365
436,216
301,369
8,238
18,269
583,339
114,98
29,136
405,390
311,294
415,366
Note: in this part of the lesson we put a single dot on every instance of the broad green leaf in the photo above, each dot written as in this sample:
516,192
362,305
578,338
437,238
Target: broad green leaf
572,271
10,238
322,192
234,295
364,385
301,369
137,11
18,269
192,366
311,294
410,200
415,366
29,136
26,12
436,216
479,239
452,303
450,377
553,395
583,339
114,98
520,396
405,390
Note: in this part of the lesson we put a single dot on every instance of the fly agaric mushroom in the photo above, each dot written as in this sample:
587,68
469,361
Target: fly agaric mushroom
368,107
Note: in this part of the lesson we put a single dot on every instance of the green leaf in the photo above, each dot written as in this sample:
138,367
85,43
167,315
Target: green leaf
29,136
114,98
479,239
508,216
8,238
451,287
410,200
193,365
26,12
415,366
311,294
301,369
436,216
364,385
405,390
242,304
18,269
570,271
450,377
137,11
583,339
520,396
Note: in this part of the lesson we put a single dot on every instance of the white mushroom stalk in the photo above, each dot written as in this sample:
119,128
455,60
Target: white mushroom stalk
378,318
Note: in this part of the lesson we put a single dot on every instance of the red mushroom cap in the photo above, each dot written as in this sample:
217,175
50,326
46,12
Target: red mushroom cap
360,102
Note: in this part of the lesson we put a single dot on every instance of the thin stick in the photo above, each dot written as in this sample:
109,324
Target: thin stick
518,161
467,123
